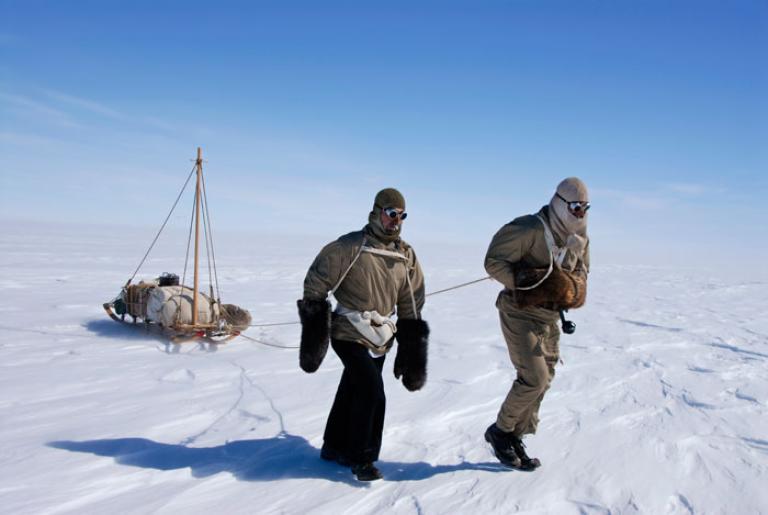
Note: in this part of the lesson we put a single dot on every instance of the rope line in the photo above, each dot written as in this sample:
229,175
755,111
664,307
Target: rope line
278,323
208,249
269,344
210,232
162,226
462,285
186,262
457,286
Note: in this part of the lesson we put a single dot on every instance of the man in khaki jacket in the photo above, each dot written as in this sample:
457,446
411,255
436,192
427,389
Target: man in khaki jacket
373,274
542,260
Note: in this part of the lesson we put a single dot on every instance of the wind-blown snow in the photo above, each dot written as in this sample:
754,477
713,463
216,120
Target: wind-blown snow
659,407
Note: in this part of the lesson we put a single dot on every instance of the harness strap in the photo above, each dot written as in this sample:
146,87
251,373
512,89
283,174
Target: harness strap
385,253
344,275
396,255
552,248
382,252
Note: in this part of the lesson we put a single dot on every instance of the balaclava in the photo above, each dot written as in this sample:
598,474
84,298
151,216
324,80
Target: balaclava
572,231
388,197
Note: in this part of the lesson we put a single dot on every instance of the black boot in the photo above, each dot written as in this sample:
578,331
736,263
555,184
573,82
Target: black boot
331,454
526,462
366,472
502,446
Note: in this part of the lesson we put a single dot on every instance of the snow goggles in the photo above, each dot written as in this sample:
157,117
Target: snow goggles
393,213
575,206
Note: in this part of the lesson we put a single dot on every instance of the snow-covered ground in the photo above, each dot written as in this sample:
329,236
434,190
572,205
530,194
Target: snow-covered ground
659,407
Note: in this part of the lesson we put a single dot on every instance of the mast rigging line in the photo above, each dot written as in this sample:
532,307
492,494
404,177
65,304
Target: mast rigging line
210,233
186,259
162,226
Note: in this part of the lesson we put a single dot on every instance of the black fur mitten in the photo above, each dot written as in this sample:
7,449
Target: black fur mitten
411,359
315,316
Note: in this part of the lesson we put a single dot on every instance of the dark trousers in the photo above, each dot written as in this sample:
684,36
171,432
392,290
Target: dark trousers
356,420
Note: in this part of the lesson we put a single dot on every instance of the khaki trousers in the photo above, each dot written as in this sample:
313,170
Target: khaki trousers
533,346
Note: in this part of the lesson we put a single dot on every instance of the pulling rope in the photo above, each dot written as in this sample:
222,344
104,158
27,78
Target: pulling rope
273,324
269,344
462,285
457,286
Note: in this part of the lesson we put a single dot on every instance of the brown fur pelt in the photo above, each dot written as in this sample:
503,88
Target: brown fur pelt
238,318
561,290
135,298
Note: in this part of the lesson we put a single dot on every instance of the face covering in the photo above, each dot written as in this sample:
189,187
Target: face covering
568,228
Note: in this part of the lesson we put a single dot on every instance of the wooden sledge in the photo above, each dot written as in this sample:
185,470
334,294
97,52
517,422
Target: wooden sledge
133,297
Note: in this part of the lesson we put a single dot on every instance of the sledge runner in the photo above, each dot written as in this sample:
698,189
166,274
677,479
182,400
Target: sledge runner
543,261
373,274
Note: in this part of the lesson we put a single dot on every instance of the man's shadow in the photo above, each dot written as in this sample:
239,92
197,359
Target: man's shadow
281,457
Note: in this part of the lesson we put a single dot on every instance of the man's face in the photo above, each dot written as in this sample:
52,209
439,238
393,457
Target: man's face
576,208
391,219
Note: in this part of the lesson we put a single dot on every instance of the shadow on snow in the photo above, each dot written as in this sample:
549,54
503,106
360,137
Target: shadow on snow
281,457
126,331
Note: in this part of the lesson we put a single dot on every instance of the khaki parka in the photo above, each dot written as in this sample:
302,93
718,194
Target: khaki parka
374,282
523,243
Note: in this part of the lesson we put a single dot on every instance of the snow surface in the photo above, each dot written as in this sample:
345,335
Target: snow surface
659,407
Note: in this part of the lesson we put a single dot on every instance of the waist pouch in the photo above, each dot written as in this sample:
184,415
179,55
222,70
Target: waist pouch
375,328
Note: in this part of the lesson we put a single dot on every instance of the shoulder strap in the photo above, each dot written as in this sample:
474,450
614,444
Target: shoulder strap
382,252
344,275
379,252
550,239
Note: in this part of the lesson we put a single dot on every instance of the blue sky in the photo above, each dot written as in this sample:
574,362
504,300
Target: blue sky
475,110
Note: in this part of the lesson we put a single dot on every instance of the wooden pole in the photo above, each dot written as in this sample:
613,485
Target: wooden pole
197,233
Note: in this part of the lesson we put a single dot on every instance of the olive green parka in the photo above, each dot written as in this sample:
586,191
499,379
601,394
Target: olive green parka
374,282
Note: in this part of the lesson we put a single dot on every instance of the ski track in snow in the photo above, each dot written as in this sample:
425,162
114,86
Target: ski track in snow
659,406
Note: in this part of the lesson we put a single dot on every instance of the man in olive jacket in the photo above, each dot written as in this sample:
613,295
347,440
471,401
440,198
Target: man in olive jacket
542,260
373,274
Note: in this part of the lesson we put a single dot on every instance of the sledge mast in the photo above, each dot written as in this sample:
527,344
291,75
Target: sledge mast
199,168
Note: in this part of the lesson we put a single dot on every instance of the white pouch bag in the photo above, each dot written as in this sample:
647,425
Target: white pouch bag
374,327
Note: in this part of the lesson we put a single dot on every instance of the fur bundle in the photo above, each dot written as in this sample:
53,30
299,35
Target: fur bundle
238,318
562,290
411,359
315,316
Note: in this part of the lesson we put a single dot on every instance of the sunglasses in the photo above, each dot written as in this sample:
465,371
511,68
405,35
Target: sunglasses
393,213
575,206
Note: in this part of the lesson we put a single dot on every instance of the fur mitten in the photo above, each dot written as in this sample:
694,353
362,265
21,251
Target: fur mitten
565,290
411,359
315,316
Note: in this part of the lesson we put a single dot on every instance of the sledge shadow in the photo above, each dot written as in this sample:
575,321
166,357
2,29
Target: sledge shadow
108,328
284,456
129,331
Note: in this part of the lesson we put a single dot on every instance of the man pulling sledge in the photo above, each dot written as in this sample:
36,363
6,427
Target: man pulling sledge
373,274
543,261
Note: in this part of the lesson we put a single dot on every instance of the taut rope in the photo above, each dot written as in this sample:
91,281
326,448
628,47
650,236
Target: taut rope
462,285
162,226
